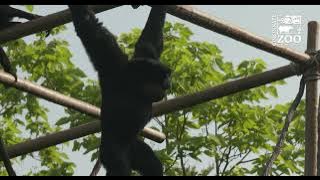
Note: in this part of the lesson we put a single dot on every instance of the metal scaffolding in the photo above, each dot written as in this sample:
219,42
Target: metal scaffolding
201,19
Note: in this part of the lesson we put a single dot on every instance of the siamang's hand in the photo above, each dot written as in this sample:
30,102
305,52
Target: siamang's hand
135,6
35,16
78,8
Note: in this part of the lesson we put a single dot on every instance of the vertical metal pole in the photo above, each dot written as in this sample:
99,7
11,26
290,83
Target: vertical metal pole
318,156
312,103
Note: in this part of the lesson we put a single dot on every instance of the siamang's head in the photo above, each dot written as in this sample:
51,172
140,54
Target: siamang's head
150,76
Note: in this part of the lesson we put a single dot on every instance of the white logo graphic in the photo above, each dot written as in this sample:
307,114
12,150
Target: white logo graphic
286,29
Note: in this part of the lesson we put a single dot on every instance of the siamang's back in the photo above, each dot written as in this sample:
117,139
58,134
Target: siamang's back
123,109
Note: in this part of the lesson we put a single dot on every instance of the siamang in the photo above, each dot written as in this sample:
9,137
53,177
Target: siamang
128,89
5,63
7,13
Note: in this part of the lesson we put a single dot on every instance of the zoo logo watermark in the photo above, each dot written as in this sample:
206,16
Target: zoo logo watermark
286,29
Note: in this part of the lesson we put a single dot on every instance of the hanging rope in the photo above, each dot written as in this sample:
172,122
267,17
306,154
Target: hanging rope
96,168
300,69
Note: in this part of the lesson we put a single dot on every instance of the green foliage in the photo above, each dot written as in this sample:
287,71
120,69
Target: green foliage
29,7
233,135
23,116
227,136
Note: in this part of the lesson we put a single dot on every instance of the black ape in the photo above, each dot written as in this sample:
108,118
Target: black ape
5,63
7,13
128,89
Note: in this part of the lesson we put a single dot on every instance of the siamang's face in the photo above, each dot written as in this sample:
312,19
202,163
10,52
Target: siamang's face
156,82
166,84
146,70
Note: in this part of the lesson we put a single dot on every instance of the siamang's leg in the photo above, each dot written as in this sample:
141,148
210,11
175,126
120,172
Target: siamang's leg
5,63
13,12
150,43
99,43
115,157
144,160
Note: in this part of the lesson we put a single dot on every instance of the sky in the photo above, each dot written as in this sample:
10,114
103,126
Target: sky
256,19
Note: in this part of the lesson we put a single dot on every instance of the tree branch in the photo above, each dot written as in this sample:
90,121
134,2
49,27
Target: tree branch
227,162
171,105
44,23
241,161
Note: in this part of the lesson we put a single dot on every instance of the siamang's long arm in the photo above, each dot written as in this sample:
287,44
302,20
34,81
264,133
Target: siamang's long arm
13,12
150,43
99,43
5,63
7,13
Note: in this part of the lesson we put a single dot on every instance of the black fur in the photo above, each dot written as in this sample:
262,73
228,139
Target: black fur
7,13
128,89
